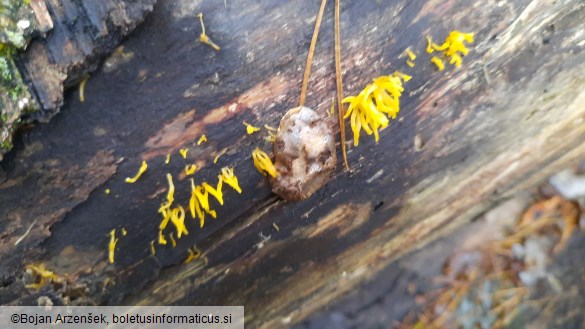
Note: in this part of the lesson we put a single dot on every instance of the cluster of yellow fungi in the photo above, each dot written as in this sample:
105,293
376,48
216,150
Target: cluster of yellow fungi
375,104
453,48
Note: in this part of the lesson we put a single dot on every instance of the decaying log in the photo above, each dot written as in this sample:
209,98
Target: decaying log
506,119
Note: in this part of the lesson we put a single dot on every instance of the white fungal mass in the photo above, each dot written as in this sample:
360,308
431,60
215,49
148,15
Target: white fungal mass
304,152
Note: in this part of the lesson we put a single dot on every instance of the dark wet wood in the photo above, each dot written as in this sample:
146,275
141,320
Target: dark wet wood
507,118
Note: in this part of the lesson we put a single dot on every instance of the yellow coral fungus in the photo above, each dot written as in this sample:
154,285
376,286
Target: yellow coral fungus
124,232
271,137
409,63
190,169
454,46
184,152
216,192
166,213
152,250
112,246
250,129
140,172
178,219
194,254
372,107
228,176
171,192
199,202
263,163
202,139
204,38
438,62
168,159
222,152
44,276
332,110
161,238
107,191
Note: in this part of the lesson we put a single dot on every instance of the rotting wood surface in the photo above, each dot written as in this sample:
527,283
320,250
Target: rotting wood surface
511,115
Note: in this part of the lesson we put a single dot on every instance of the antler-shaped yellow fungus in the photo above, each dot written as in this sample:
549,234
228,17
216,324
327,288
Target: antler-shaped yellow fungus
45,276
411,57
140,172
178,219
184,152
194,253
203,37
112,246
216,192
228,176
250,129
372,107
263,163
453,47
202,139
190,169
200,201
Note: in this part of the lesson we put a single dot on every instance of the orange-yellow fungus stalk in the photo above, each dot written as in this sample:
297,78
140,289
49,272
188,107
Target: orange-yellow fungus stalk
216,192
140,172
202,139
250,129
190,169
161,238
373,106
112,246
228,176
438,62
263,163
184,152
166,213
171,192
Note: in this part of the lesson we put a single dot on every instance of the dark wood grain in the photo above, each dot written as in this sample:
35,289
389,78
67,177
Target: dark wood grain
507,118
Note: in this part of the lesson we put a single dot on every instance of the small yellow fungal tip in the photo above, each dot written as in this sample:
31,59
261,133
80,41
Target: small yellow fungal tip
411,55
161,238
222,152
140,172
152,250
263,163
168,159
124,232
107,191
112,246
193,254
228,176
190,169
271,137
438,62
375,104
250,129
173,242
202,139
184,152
409,63
332,110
